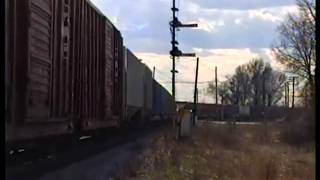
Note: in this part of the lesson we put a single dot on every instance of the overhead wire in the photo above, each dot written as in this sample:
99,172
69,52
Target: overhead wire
186,82
157,72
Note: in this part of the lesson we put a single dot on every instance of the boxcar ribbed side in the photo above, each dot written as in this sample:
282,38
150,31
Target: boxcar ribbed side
163,103
124,84
147,92
67,71
36,63
118,64
156,110
96,46
108,69
63,69
168,104
134,93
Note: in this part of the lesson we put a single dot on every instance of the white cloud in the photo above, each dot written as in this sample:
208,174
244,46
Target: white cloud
226,61
241,5
238,21
197,50
274,14
289,9
191,7
264,14
209,26
225,38
160,61
273,62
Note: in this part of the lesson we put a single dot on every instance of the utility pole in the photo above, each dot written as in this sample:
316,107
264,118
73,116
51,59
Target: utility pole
285,94
292,92
173,43
286,89
195,93
153,72
216,77
175,52
263,89
288,95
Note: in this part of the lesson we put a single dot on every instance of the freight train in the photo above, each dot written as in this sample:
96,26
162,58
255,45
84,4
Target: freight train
67,72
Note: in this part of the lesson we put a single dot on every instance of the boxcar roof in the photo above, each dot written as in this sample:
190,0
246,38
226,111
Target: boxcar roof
101,13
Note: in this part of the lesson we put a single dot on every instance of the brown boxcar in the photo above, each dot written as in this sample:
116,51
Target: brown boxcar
63,68
35,63
98,60
118,75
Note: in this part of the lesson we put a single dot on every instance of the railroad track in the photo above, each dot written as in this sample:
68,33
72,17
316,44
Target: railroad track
41,164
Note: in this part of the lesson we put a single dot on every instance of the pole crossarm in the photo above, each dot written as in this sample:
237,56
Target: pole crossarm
176,23
187,25
188,54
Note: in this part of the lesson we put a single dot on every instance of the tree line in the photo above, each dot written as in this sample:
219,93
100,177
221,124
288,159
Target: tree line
256,83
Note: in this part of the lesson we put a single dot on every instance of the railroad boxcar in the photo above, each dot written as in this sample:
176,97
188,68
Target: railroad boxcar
118,107
147,93
163,102
64,69
139,90
168,104
36,62
134,87
98,61
156,111
67,71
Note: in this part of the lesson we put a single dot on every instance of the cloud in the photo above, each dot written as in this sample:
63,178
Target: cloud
161,62
238,21
209,26
276,65
264,15
241,28
230,33
146,31
241,5
226,61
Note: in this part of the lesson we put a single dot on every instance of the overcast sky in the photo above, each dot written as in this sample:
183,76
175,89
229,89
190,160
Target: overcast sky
230,33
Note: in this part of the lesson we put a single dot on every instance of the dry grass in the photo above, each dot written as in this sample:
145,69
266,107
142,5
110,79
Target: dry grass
217,151
299,130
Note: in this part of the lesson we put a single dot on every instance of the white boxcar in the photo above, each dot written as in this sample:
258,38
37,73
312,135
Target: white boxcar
148,91
139,89
135,72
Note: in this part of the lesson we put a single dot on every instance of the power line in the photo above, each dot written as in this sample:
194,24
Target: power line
157,72
186,82
204,64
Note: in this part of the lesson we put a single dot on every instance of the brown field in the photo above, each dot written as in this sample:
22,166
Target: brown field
221,151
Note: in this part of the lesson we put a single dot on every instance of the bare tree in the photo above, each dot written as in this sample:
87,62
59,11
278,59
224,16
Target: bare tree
233,87
296,46
255,70
244,83
224,93
274,85
252,84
